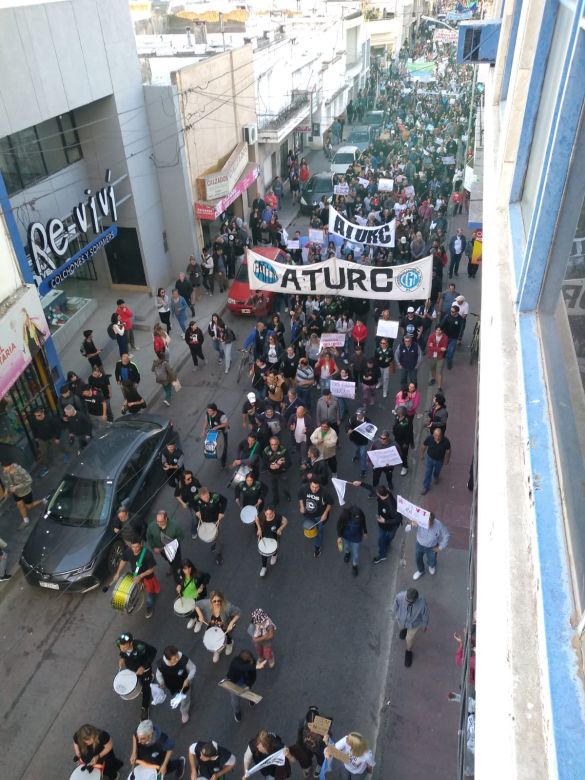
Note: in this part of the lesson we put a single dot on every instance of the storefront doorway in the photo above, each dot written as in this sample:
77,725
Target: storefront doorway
125,258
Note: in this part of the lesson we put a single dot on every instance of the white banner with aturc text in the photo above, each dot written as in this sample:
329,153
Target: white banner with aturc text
382,235
340,277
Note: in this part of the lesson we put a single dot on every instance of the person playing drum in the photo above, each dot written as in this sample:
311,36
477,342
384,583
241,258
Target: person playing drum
137,656
175,672
93,747
193,586
210,760
270,525
186,494
161,532
315,504
249,452
142,567
216,420
153,747
250,492
211,509
216,611
262,630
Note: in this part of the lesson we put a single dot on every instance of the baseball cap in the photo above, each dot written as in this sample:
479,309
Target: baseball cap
360,412
123,639
410,310
251,397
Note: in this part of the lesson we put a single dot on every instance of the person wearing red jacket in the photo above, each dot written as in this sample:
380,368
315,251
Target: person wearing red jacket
126,314
359,334
436,350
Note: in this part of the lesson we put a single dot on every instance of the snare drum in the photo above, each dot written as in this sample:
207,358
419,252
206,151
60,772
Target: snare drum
141,772
127,685
81,773
240,475
214,445
207,532
310,529
183,607
248,514
214,639
267,546
126,594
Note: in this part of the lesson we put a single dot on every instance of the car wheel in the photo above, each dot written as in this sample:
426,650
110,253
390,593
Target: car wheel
115,555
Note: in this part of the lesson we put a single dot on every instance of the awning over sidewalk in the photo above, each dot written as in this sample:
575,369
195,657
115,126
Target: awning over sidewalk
212,209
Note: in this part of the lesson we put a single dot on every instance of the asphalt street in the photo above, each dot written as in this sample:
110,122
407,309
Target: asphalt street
335,633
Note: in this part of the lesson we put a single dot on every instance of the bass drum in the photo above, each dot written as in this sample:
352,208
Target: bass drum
80,773
127,594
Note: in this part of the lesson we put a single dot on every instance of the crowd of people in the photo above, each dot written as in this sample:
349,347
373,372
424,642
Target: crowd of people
291,423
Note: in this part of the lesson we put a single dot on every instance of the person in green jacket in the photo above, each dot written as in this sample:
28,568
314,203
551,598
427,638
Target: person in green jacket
160,537
193,585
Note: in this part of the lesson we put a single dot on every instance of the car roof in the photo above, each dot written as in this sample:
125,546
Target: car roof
269,252
109,450
347,150
359,130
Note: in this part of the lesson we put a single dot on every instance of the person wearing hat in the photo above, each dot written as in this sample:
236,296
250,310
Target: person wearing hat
89,350
137,656
250,411
411,613
403,255
412,324
463,312
408,357
451,325
382,443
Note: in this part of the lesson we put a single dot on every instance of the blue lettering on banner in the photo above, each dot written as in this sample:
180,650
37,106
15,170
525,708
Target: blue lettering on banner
265,272
85,254
410,280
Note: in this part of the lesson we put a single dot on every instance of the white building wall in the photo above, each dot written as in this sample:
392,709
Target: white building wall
10,279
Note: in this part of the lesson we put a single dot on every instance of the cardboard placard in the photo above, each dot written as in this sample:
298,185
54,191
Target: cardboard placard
387,329
241,691
320,725
341,389
385,185
316,236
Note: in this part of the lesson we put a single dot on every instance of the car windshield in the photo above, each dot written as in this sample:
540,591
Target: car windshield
346,157
373,118
360,135
242,274
320,185
80,501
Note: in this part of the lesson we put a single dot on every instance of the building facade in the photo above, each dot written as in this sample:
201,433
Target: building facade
530,585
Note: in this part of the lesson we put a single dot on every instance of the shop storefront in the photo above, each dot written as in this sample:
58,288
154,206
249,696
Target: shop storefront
26,383
209,213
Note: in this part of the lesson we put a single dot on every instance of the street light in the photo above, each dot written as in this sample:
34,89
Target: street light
438,21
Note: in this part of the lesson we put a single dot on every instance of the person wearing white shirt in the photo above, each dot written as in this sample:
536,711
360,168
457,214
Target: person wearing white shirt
463,312
360,759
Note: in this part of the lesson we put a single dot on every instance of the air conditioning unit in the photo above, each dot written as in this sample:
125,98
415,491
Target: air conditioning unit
250,134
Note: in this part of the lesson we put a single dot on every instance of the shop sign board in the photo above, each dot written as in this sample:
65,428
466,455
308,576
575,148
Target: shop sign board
47,243
23,329
221,183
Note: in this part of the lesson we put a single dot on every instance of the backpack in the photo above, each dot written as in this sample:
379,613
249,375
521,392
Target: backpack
111,333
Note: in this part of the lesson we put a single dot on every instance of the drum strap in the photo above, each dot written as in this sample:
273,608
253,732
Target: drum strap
139,561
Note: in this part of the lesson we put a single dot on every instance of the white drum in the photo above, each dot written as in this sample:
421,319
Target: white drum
248,514
207,532
240,475
214,639
80,773
127,685
183,606
139,773
267,546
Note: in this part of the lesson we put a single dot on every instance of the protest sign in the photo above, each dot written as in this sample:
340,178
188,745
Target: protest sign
387,329
363,182
316,236
332,340
367,429
386,185
382,235
341,189
341,389
290,244
386,457
413,512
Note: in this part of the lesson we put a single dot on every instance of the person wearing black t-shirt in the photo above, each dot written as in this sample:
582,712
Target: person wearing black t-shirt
186,490
250,492
142,566
129,528
242,672
210,760
94,747
315,504
101,381
175,672
210,508
437,449
95,404
137,656
264,744
89,350
216,420
152,746
315,468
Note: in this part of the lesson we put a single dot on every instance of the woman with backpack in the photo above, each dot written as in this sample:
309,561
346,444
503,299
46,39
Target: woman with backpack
165,376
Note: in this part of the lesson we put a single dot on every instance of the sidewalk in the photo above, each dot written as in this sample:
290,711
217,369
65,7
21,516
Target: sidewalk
419,724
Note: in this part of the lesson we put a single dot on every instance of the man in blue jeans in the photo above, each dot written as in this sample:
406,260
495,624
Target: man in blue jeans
452,325
389,521
437,449
360,442
315,504
429,541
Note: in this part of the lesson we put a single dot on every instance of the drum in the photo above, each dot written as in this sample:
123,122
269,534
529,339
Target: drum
240,475
310,529
214,639
248,514
126,594
127,685
267,546
81,773
183,607
214,445
140,772
207,532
